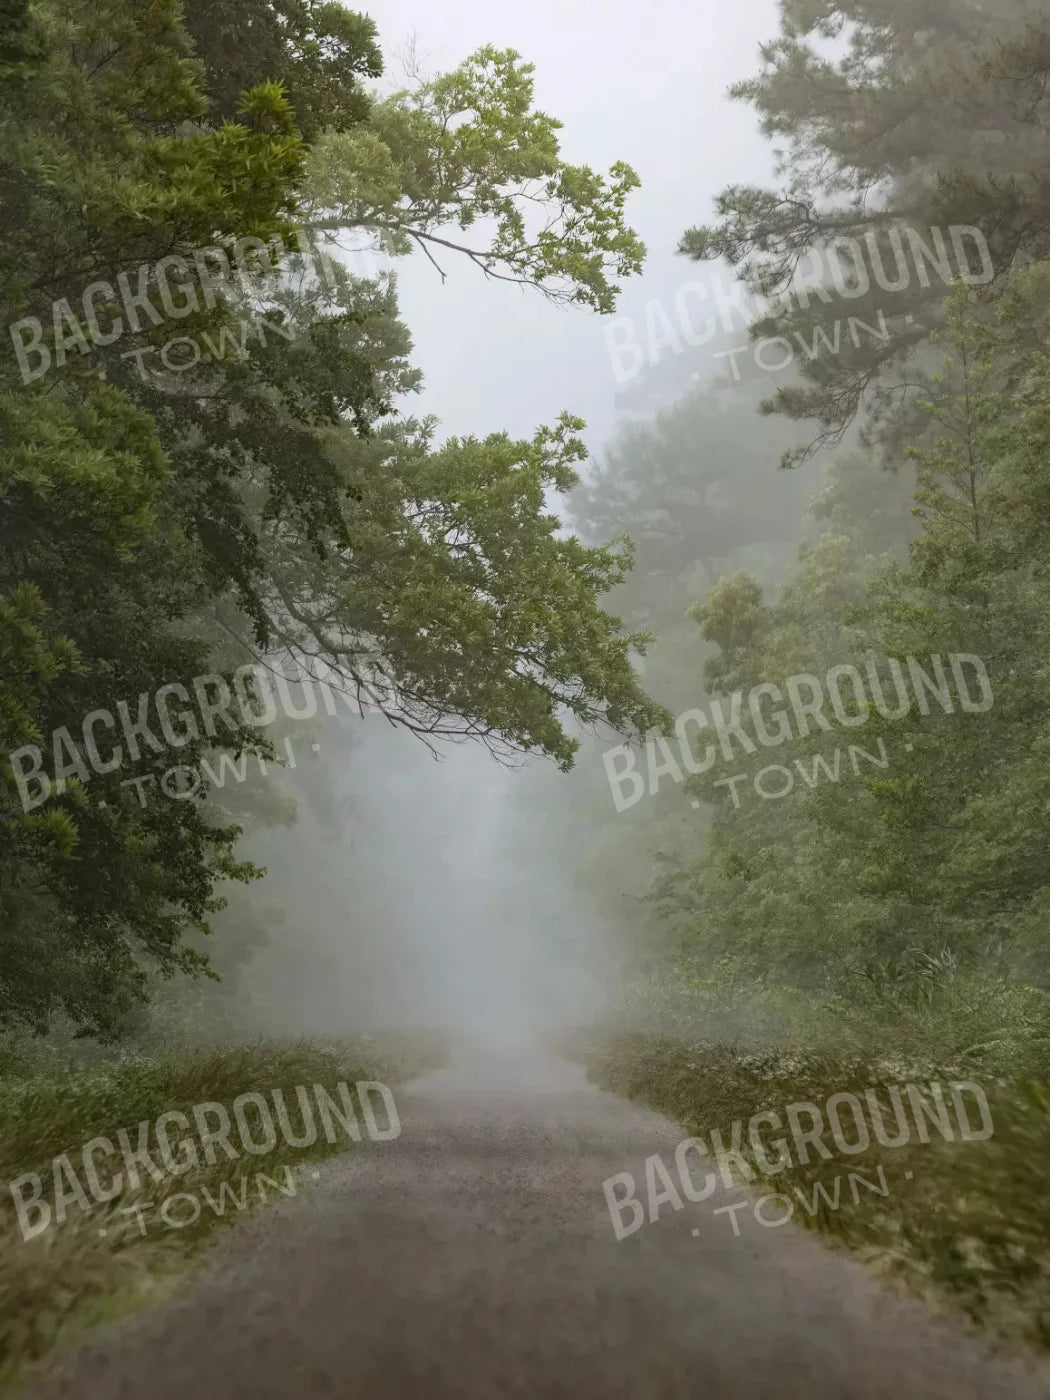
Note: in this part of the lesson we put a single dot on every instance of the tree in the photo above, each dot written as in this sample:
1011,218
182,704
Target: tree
274,484
921,890
933,117
468,147
319,52
94,181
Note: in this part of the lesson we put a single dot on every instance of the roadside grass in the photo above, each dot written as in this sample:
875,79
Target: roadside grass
970,1229
97,1264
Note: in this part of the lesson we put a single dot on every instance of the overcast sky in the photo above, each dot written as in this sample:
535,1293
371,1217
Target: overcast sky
645,83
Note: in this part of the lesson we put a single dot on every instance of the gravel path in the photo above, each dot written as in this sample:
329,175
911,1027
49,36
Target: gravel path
474,1257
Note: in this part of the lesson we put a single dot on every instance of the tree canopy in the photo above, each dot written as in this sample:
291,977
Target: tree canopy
204,442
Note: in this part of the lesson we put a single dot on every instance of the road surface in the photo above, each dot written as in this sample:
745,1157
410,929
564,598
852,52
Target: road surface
475,1257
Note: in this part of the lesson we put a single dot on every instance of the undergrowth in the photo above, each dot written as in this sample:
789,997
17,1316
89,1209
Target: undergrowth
95,1264
970,1227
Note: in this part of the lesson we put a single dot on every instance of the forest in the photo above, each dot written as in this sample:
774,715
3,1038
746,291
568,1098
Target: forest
228,540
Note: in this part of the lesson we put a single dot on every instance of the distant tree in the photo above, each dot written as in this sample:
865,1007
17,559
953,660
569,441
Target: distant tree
935,115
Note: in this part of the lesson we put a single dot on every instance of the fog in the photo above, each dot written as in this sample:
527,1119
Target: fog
448,891
436,885
433,901
562,659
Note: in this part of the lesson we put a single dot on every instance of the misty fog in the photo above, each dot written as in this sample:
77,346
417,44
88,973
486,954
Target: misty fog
524,606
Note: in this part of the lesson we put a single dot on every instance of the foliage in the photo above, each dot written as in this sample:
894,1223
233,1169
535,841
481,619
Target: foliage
468,147
913,119
274,494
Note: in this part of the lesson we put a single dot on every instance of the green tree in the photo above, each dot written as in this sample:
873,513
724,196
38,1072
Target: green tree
933,116
274,485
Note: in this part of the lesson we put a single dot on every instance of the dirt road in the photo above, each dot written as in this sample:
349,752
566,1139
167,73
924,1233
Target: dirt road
474,1257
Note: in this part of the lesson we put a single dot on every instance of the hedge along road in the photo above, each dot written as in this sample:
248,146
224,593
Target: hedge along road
475,1257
